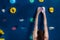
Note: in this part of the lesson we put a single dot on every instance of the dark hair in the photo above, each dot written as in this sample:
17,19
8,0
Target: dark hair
40,35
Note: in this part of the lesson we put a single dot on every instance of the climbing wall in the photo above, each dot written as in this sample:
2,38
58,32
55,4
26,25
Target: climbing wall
17,18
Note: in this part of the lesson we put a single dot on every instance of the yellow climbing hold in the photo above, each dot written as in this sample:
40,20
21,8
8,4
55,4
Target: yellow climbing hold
13,10
41,0
1,32
51,9
2,38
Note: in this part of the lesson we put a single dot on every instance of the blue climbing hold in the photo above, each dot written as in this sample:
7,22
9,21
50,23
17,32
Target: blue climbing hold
12,1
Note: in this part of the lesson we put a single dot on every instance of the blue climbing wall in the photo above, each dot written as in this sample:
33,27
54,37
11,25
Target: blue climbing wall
19,26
